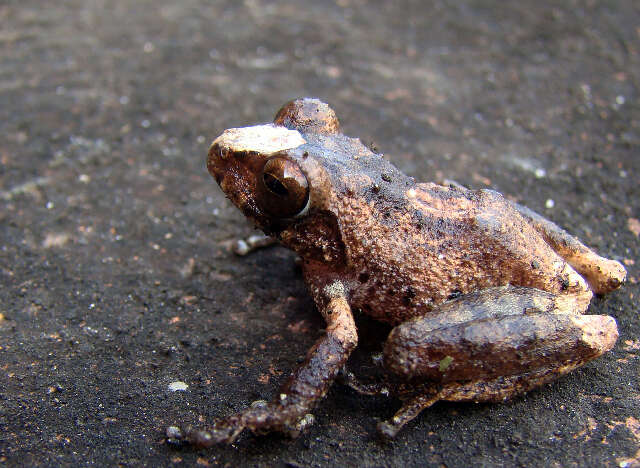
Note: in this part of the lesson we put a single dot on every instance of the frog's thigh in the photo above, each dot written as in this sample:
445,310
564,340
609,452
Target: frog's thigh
498,332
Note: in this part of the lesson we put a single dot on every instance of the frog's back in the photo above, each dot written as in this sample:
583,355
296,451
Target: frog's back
443,242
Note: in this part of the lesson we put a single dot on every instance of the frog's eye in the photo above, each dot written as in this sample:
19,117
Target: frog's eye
284,188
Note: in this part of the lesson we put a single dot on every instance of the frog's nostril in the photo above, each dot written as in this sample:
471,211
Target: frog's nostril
220,151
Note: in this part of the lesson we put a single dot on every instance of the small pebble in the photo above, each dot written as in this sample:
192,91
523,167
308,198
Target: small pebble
177,386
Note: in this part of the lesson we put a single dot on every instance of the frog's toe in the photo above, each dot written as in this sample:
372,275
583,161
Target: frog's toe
174,435
387,430
349,379
299,427
201,438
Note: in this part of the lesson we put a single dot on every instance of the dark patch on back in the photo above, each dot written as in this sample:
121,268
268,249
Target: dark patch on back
409,294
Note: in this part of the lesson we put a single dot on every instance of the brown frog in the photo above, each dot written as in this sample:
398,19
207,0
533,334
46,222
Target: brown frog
486,297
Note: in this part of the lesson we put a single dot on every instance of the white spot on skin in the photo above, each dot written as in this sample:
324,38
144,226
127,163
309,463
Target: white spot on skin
334,290
178,386
263,139
411,193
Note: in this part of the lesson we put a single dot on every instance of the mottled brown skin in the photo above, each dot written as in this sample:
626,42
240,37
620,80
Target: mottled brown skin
485,295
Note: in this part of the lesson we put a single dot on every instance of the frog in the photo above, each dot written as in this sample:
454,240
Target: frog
486,299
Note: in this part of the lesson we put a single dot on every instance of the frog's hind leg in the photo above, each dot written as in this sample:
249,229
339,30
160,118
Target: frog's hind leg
602,274
494,390
491,345
348,378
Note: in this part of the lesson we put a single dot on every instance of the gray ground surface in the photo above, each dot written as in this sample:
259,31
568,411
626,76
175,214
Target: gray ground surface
115,274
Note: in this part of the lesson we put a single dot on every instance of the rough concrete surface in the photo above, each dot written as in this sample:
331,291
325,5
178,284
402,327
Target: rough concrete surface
116,278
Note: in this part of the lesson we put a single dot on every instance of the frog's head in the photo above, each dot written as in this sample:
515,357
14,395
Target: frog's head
293,178
255,169
266,171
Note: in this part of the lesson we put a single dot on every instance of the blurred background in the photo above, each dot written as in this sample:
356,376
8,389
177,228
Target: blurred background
116,279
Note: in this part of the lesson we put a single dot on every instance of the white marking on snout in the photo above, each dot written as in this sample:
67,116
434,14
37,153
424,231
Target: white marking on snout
263,139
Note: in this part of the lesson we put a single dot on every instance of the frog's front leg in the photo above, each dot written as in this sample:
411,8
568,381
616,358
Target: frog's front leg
491,345
288,413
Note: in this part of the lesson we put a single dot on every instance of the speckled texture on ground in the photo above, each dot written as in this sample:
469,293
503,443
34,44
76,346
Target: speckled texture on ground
115,275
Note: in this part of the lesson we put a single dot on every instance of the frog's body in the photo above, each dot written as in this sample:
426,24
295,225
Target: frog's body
431,243
486,295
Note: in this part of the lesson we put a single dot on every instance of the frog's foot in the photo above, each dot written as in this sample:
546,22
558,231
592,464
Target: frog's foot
260,418
254,242
602,274
492,345
224,431
410,410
